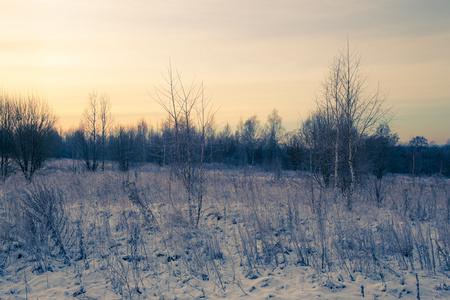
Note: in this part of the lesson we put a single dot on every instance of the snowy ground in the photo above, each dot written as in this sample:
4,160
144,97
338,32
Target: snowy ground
258,238
287,283
293,282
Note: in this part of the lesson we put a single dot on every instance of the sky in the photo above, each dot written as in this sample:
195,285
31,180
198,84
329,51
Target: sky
252,56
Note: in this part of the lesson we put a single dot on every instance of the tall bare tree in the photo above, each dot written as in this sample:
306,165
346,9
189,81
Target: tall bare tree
189,117
330,111
106,122
91,127
357,111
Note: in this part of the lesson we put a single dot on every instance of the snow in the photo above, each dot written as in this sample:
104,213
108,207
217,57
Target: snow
288,283
243,248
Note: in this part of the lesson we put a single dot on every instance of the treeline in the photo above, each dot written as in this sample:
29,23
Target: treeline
267,146
28,137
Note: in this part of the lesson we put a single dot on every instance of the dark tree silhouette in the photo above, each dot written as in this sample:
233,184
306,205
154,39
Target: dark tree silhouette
29,136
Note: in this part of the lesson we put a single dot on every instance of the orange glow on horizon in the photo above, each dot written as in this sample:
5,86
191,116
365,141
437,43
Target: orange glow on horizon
251,58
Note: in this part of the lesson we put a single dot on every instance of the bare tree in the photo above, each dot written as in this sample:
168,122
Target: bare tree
189,116
90,127
356,110
5,128
106,122
329,109
29,135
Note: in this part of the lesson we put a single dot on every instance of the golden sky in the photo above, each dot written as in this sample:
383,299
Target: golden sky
252,55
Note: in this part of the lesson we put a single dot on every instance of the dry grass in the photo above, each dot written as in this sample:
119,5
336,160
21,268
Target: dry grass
250,224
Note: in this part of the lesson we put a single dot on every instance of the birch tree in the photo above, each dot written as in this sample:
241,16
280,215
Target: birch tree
357,111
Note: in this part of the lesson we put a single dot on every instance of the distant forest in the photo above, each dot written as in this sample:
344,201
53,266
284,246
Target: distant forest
266,146
346,137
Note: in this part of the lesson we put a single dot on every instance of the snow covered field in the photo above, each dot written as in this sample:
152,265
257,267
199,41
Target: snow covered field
77,235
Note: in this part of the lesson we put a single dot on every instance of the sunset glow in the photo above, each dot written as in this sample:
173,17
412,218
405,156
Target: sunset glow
252,56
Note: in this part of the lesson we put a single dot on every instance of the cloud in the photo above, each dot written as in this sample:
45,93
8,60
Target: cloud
258,51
